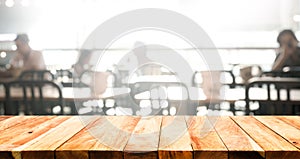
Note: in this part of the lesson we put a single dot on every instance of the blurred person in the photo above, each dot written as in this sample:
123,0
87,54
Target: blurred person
289,52
25,59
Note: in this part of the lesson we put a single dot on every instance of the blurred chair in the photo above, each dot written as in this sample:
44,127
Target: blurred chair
276,96
65,77
37,75
286,72
35,97
2,97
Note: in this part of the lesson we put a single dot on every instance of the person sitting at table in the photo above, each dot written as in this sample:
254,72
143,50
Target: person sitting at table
289,52
25,59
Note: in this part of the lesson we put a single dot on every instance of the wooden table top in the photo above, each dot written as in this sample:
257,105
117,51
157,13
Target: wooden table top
60,137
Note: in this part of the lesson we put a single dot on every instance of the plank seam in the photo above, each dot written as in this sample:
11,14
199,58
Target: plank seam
277,133
187,129
249,135
219,136
280,118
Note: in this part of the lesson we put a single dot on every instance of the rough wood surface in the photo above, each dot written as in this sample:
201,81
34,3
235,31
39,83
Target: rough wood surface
104,138
143,142
285,130
174,139
45,146
19,134
205,141
14,121
292,120
4,117
97,137
274,145
238,143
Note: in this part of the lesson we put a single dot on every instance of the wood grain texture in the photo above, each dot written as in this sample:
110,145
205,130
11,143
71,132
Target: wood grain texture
143,142
285,130
274,145
104,138
292,120
4,117
114,139
205,141
174,139
19,134
238,143
5,124
44,146
62,137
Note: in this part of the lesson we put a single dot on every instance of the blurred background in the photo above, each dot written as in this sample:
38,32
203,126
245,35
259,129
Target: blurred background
242,30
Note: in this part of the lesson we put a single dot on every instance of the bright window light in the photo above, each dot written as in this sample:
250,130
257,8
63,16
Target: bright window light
3,54
296,18
9,3
25,3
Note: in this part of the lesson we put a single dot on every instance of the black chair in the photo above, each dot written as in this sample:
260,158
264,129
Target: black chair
278,92
62,74
227,79
286,72
35,75
3,99
37,97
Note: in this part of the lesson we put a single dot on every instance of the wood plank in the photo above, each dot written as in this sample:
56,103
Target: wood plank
238,143
143,142
120,131
4,117
274,145
45,145
104,138
205,141
5,124
285,130
20,134
174,139
292,120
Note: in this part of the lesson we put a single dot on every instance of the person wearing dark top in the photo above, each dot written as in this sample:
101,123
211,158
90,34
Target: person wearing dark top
289,52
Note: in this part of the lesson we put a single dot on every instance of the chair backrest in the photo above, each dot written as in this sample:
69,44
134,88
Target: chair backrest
61,73
65,77
279,95
37,97
286,72
39,75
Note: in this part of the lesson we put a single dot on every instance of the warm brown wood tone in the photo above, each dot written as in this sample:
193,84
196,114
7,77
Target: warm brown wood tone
274,145
104,138
143,142
4,117
15,137
239,144
285,130
174,139
45,146
14,121
205,140
97,137
292,120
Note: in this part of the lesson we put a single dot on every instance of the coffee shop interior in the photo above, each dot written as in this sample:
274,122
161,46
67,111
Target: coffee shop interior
88,57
